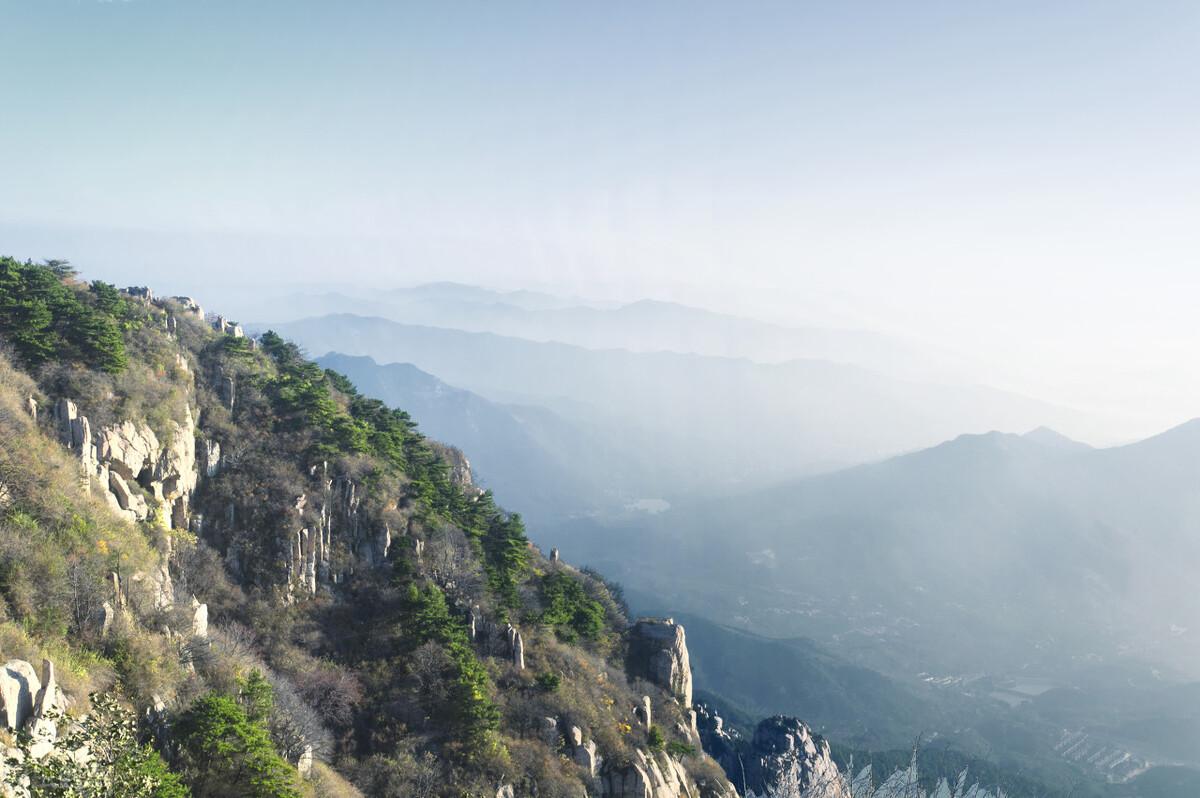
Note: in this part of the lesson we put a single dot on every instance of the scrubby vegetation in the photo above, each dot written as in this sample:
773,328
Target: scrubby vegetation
396,672
119,763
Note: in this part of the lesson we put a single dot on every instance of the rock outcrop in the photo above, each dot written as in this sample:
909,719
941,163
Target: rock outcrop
227,327
657,776
460,467
784,757
333,513
658,653
199,620
140,475
32,704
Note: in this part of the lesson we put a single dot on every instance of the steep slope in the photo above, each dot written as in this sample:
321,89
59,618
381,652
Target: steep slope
356,606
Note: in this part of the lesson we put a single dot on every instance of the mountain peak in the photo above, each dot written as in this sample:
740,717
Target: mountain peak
1054,439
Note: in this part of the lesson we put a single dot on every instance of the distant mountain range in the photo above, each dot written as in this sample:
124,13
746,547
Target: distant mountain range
989,553
713,424
643,326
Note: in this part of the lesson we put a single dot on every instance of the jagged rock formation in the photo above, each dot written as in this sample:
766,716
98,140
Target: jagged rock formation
658,653
656,776
335,514
644,712
784,757
140,475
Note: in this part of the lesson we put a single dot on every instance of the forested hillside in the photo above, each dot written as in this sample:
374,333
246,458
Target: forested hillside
291,589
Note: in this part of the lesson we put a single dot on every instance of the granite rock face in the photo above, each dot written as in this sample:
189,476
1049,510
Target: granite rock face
783,757
658,653
657,776
141,475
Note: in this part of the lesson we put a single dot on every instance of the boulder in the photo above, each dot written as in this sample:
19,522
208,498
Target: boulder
128,500
19,687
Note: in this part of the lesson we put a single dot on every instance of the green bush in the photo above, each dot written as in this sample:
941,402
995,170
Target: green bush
569,609
548,681
223,752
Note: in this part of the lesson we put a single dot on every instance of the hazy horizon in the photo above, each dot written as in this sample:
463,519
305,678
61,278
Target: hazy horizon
997,181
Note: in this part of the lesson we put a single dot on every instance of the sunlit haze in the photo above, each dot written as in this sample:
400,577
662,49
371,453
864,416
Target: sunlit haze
1012,182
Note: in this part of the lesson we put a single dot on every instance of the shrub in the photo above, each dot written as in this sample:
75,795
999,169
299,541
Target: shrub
223,752
569,609
548,681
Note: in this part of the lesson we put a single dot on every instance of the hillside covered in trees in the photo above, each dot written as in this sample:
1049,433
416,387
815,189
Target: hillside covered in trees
249,579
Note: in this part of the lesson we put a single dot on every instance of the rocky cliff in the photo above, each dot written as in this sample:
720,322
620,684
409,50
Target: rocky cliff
279,523
783,758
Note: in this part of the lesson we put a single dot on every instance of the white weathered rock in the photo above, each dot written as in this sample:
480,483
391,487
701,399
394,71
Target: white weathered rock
128,454
505,791
784,756
212,458
550,734
163,586
519,652
631,781
107,616
48,708
658,653
305,764
644,712
190,306
128,500
199,620
19,686
127,448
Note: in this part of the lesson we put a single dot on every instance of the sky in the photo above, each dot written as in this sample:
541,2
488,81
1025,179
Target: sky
1018,181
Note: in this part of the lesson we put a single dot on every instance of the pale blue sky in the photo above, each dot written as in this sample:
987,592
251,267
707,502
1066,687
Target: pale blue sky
1018,179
